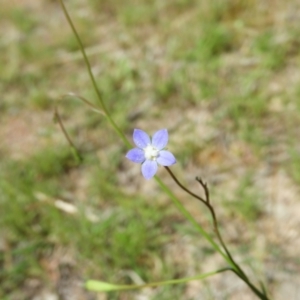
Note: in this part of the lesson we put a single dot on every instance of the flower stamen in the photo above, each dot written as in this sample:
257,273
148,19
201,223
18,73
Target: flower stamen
151,153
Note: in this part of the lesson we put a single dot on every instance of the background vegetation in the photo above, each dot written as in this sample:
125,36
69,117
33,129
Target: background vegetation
222,76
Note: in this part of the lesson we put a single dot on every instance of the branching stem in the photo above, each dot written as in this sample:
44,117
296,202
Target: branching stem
206,201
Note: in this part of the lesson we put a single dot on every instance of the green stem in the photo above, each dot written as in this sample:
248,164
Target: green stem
75,152
94,285
235,267
88,65
193,221
251,286
88,103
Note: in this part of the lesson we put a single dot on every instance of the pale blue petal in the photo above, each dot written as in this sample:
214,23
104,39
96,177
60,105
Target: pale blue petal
149,168
160,139
166,158
141,138
136,155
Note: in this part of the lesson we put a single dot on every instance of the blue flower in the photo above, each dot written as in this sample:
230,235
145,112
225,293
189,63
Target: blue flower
151,153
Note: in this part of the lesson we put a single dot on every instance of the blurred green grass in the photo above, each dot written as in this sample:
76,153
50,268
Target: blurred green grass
236,60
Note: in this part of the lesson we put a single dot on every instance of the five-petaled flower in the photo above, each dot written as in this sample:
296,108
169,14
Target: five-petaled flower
150,153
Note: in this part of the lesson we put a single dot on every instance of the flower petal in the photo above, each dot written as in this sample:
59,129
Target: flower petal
141,138
166,158
149,168
160,139
136,155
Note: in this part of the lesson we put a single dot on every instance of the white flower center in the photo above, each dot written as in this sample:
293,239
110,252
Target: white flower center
151,153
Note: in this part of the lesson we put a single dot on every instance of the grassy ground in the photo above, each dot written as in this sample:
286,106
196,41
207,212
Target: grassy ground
222,76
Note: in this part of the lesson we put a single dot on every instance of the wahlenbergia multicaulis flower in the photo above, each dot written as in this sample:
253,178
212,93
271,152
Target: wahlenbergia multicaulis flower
150,153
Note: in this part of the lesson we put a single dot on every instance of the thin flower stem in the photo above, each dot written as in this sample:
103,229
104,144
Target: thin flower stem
215,221
91,75
235,267
57,118
207,204
189,217
184,188
94,285
257,292
88,103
